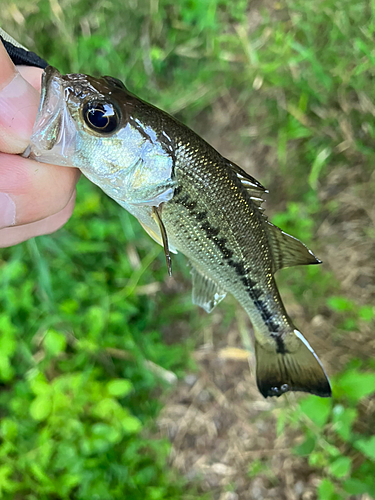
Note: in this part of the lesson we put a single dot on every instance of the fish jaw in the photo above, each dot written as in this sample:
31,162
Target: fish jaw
53,139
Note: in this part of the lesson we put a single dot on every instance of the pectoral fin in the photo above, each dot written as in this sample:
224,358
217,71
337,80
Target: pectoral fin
156,237
206,293
288,251
163,232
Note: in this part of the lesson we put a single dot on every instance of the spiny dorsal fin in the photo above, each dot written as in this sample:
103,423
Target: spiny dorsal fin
288,251
206,293
252,186
257,202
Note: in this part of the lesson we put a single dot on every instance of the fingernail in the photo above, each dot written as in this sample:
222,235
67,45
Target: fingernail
7,211
19,103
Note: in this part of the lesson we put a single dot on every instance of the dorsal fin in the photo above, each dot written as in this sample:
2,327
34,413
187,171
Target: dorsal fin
288,251
252,186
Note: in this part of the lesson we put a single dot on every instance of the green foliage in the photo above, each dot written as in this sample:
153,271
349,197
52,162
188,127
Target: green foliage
355,385
77,335
351,314
326,490
331,442
77,327
317,411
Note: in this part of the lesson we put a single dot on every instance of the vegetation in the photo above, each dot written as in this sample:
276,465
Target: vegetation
85,313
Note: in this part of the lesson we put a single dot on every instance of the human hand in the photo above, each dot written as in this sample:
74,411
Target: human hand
35,198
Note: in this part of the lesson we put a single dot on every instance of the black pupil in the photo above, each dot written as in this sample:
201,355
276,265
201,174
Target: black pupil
98,118
101,116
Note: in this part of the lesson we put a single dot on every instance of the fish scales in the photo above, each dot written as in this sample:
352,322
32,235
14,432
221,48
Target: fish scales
226,240
190,199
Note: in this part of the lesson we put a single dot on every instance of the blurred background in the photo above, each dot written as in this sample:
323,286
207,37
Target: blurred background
113,386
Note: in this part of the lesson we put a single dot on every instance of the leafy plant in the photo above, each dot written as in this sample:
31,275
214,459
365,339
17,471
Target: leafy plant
85,314
344,456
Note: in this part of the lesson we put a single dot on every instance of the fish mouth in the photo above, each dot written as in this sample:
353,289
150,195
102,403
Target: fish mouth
53,136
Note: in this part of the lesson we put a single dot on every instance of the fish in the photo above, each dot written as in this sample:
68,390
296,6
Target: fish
190,199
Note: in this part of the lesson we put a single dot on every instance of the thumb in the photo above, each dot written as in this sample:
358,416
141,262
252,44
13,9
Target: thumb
19,103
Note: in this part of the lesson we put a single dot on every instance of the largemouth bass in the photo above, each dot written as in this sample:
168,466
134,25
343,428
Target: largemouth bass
190,199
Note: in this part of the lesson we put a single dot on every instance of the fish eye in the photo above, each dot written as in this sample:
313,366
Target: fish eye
101,116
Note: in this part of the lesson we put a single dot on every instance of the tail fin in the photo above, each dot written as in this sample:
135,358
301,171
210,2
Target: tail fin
296,369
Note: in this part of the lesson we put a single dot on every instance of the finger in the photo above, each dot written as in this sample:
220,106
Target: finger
30,191
12,235
32,75
19,102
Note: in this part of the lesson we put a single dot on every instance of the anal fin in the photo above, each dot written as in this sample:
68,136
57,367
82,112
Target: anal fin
206,293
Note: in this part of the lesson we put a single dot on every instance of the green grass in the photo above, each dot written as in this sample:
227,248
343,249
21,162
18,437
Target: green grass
74,321
77,401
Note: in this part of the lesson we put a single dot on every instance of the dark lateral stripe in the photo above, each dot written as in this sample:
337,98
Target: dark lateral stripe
178,190
212,233
248,282
280,345
260,305
272,325
257,293
200,216
267,316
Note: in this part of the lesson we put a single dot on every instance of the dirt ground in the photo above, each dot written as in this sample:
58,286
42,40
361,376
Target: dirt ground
216,419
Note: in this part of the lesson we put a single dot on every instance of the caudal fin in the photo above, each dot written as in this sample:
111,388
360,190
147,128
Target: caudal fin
294,369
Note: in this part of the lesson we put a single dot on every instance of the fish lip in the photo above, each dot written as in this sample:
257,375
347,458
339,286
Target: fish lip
53,131
51,96
33,150
48,74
